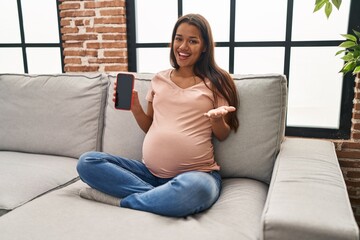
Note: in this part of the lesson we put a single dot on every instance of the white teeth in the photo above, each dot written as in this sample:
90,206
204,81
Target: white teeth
184,54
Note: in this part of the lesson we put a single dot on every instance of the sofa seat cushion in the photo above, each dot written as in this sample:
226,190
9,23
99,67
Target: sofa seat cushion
24,176
62,214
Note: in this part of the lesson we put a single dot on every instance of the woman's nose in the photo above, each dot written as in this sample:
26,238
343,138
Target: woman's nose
183,46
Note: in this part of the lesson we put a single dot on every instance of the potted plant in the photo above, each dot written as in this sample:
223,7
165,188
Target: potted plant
352,53
351,44
328,6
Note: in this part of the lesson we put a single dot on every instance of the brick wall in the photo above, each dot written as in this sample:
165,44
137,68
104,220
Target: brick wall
94,39
94,35
348,153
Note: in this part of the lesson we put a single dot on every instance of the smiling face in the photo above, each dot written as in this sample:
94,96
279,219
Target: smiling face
188,45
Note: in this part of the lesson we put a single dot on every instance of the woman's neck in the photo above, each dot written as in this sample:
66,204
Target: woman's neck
184,72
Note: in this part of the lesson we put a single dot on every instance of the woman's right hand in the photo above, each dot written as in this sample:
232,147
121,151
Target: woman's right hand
114,93
135,102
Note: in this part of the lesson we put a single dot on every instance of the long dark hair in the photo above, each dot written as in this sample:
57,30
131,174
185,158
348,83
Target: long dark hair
206,66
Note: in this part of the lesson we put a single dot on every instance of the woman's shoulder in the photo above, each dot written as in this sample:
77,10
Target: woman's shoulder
161,76
164,73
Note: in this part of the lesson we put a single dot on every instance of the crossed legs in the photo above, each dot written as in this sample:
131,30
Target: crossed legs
117,178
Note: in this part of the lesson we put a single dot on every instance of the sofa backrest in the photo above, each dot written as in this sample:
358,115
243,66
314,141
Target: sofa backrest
251,152
52,114
122,135
248,153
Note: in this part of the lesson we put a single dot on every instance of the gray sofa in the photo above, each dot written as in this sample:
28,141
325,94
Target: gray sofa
273,187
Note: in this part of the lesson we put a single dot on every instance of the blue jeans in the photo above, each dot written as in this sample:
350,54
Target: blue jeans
185,194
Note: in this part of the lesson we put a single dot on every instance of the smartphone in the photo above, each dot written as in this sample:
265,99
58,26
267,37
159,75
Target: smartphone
124,90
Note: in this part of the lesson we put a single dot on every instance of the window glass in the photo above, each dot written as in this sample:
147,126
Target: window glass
222,57
152,60
315,26
40,21
315,87
9,22
155,20
44,60
260,20
11,60
217,13
254,60
260,47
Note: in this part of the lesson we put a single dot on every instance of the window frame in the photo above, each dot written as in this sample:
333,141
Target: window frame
347,95
23,45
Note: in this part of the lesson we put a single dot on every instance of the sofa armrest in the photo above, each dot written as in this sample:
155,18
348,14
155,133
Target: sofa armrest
307,196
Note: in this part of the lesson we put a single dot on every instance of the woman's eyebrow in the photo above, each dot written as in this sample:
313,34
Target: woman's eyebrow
180,35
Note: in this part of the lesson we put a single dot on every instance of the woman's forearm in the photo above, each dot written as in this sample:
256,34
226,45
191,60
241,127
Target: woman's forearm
220,128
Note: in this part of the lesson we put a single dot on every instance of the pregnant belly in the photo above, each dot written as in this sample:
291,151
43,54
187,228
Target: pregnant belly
167,154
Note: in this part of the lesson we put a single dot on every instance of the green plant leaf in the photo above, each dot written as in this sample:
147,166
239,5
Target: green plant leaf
337,3
356,70
356,33
339,52
342,71
348,67
348,57
347,44
319,4
356,54
328,9
349,37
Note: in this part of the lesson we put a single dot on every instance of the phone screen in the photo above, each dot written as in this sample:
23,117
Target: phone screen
124,89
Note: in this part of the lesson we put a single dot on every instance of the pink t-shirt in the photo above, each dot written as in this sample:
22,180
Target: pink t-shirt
179,139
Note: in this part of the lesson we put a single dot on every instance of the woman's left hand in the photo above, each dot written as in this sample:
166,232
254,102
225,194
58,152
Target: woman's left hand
219,112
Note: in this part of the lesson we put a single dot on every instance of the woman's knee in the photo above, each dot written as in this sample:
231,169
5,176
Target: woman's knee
200,184
85,160
197,191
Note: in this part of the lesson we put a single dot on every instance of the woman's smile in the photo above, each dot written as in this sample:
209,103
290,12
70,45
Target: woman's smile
183,56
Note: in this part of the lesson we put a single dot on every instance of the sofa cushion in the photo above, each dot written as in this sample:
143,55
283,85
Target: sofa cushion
62,214
250,152
52,114
24,176
122,135
308,198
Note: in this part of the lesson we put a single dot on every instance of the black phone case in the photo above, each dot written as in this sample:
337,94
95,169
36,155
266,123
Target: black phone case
124,89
